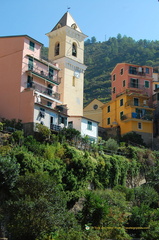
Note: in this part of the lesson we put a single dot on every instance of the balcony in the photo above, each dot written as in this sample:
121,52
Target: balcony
132,104
62,109
55,127
142,74
46,75
43,90
133,115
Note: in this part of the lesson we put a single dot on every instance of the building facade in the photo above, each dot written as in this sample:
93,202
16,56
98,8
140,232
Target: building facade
87,127
94,111
66,48
38,91
131,107
29,84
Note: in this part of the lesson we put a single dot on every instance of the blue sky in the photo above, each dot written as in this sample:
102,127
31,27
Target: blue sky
138,19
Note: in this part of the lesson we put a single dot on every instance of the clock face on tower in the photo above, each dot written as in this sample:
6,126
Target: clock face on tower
77,73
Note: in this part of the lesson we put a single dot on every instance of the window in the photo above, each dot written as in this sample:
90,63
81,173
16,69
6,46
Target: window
132,70
51,120
31,46
30,63
95,106
147,70
74,50
73,81
74,26
51,73
57,48
42,112
156,86
139,125
114,77
108,109
70,124
121,102
134,83
49,104
114,90
30,82
121,114
49,89
89,125
136,102
124,83
121,71
108,121
147,84
63,120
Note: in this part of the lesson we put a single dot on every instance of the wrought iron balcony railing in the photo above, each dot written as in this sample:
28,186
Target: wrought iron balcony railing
139,104
43,74
134,115
55,127
44,90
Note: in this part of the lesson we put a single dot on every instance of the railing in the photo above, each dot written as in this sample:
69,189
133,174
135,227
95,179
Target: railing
134,115
44,74
131,103
62,108
55,127
137,73
42,89
137,86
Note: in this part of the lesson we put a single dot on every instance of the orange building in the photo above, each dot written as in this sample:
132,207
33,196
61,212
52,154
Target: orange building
129,76
131,106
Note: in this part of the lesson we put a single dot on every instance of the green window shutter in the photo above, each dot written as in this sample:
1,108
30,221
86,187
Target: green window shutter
51,72
89,125
30,63
147,84
31,45
65,121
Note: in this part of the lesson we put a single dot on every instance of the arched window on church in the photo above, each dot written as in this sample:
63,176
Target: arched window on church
74,49
57,48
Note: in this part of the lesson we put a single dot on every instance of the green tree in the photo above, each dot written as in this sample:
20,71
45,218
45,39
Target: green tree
93,39
9,173
42,132
38,208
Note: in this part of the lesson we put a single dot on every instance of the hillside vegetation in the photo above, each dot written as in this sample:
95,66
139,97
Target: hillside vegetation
102,57
49,189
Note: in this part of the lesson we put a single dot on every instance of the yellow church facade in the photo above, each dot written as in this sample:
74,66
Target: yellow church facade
94,111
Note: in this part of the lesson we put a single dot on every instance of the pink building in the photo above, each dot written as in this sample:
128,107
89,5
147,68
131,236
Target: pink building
29,84
133,77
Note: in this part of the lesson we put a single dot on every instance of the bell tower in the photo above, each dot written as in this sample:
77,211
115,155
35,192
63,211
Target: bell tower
66,48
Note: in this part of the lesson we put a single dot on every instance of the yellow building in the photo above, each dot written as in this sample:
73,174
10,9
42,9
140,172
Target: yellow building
94,111
131,111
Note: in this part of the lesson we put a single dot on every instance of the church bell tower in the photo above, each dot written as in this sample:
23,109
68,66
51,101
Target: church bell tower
66,48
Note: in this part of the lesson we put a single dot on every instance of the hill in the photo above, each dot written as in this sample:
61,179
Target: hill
101,58
49,189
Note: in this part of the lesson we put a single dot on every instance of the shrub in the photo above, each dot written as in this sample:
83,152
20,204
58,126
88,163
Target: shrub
43,132
18,137
133,137
111,145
